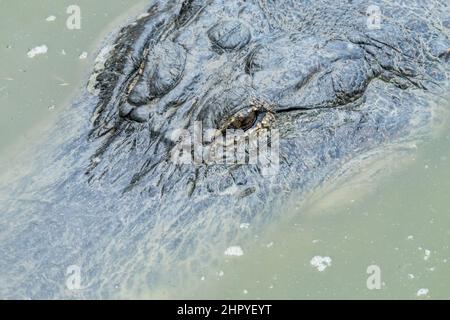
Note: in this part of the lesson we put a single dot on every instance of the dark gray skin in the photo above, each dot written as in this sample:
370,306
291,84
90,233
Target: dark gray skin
110,199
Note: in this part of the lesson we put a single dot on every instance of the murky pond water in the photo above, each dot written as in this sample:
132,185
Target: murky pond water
399,229
394,231
32,90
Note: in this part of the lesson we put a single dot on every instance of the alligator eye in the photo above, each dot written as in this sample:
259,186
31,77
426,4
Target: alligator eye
243,121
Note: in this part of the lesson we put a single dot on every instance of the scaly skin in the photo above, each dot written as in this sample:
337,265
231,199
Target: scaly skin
110,198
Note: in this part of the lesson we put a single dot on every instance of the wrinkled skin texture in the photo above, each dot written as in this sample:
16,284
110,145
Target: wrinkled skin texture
109,198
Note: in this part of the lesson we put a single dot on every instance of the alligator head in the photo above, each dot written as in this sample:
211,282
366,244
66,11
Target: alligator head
321,80
324,79
318,82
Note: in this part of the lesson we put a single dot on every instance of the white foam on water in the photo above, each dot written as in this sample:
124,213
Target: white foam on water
321,263
427,254
37,50
234,251
83,55
50,18
422,292
244,225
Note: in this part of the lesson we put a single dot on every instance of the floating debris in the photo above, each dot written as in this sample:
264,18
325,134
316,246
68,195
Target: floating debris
234,251
83,55
321,263
244,225
422,292
50,18
37,50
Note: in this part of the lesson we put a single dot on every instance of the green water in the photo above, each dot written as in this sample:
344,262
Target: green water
32,90
400,224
